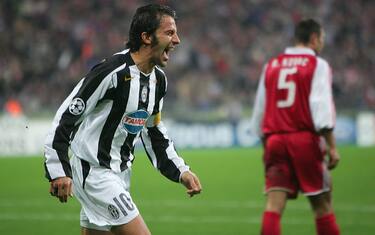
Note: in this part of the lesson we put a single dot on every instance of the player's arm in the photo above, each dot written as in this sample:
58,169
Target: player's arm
164,157
323,109
160,148
333,154
76,106
259,104
56,164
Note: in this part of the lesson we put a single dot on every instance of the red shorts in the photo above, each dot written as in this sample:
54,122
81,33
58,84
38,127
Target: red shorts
295,162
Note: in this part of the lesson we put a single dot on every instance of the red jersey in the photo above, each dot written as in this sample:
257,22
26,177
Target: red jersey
294,94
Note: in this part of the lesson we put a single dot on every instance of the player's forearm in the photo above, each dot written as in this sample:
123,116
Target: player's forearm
162,154
57,167
329,138
168,162
56,156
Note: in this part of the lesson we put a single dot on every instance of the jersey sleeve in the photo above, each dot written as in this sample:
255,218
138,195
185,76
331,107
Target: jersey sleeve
81,101
321,99
160,148
259,105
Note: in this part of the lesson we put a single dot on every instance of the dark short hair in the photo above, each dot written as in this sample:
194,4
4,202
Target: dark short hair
146,19
304,29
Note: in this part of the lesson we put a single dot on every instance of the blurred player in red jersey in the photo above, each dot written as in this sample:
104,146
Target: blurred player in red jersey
294,114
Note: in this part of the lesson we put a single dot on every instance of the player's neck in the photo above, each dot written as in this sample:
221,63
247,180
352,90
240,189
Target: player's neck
142,59
301,45
309,45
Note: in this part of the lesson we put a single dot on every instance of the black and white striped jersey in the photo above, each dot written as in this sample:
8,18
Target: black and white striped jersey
105,114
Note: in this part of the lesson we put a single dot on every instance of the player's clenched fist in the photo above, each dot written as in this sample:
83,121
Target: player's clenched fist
61,188
191,182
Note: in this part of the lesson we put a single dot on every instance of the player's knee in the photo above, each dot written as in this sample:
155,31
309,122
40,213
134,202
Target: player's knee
321,205
274,207
322,209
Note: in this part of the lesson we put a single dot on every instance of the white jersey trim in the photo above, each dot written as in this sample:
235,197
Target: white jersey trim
259,106
321,99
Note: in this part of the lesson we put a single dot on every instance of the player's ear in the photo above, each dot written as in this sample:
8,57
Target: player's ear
146,38
314,39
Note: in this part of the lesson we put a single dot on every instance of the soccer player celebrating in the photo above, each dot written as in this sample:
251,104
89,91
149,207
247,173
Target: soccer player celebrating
294,114
115,104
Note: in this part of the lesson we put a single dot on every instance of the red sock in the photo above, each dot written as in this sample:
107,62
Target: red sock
271,223
327,225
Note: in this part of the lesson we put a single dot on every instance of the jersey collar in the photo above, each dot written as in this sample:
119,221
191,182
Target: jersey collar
299,51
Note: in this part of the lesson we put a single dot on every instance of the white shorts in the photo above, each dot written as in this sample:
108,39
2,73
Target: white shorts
103,194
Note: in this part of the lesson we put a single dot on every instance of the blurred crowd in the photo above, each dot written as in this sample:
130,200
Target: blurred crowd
46,47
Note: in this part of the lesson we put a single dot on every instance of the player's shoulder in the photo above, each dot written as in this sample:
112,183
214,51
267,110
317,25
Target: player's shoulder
160,76
159,73
322,63
112,62
161,79
273,62
322,60
120,58
276,60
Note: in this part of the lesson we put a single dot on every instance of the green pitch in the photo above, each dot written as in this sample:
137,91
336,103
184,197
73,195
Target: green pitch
231,202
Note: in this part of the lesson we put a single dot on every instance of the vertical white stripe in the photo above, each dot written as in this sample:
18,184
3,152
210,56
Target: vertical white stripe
151,96
320,99
148,147
333,107
118,141
259,105
132,104
170,151
325,184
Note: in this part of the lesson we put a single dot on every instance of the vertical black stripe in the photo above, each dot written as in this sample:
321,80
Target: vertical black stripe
147,153
159,90
61,142
159,145
126,149
144,83
114,117
85,171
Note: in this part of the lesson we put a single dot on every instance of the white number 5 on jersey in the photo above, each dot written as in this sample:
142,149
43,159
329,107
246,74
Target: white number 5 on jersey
289,85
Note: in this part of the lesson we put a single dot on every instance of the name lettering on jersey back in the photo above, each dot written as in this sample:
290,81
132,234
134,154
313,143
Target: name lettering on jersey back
294,61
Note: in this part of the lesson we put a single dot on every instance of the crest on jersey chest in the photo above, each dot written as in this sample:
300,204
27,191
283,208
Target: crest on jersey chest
144,92
135,121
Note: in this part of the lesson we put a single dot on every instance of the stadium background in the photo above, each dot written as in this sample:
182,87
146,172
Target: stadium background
46,47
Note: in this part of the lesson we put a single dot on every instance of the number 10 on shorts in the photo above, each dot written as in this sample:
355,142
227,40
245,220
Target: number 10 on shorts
124,201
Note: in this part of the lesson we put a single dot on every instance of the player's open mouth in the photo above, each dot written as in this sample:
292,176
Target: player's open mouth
166,52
